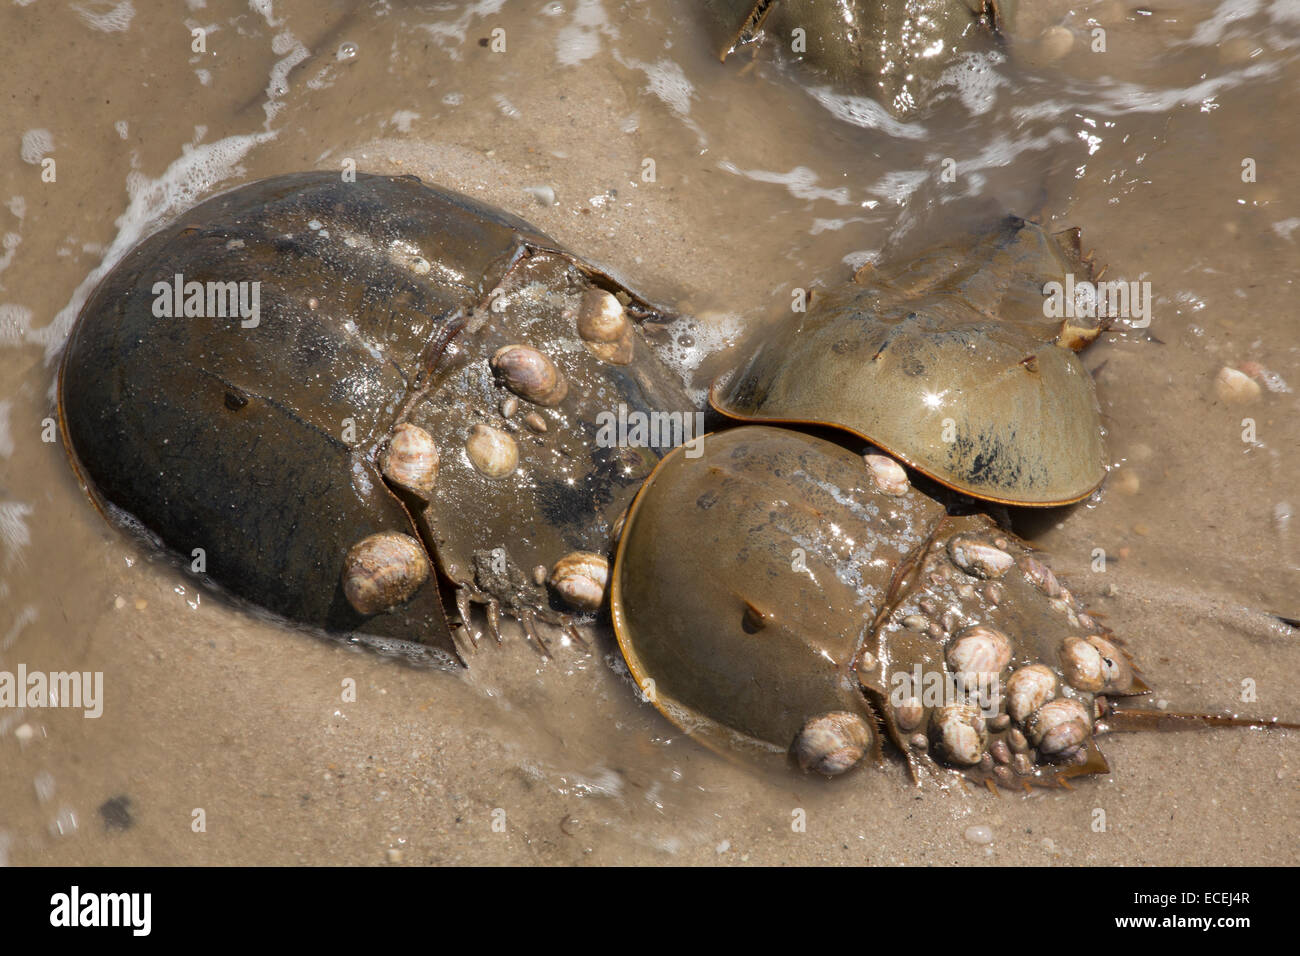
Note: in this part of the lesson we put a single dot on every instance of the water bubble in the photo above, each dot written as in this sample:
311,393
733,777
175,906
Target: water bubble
65,823
1283,512
347,52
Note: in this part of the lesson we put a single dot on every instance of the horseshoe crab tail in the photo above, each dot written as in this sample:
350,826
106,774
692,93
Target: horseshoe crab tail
1119,719
749,28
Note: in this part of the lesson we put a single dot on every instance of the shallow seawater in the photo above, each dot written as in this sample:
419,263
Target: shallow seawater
763,182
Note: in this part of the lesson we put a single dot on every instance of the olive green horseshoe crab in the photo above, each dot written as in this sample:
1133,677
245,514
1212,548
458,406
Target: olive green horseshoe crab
891,50
333,394
948,362
820,601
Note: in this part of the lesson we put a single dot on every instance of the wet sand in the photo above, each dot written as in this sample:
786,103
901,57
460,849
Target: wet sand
762,184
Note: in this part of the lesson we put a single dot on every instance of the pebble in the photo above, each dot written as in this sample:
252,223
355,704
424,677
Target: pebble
394,856
24,733
1234,387
1270,380
141,604
979,834
119,603
545,195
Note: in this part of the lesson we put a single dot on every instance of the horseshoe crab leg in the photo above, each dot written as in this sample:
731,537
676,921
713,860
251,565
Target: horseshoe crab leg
494,618
529,621
462,606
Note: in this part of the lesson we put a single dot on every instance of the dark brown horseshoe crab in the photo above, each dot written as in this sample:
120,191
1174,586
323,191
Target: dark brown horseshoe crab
892,51
819,599
329,391
948,362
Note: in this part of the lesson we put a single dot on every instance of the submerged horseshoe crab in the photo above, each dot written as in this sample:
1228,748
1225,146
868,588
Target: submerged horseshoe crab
893,51
948,362
820,599
332,394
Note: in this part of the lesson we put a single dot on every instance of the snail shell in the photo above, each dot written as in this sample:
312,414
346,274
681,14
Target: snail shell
1116,671
410,460
1081,663
888,474
1029,689
908,714
604,327
529,374
1059,728
491,451
383,571
1039,575
580,578
979,650
959,734
832,743
978,558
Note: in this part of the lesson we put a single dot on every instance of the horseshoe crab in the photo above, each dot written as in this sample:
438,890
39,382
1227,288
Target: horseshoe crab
333,394
818,601
892,51
947,362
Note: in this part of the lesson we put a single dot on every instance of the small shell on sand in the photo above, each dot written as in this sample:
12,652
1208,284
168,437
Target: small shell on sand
1055,43
1234,387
